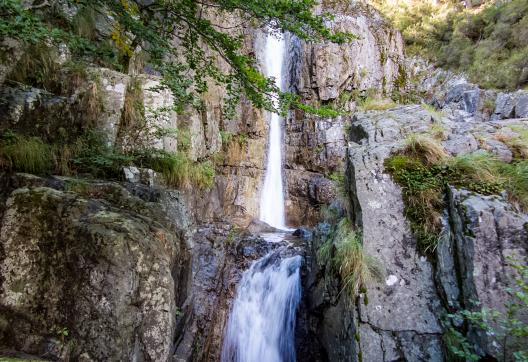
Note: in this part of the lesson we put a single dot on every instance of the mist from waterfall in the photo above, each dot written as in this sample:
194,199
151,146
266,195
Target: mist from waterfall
262,322
272,196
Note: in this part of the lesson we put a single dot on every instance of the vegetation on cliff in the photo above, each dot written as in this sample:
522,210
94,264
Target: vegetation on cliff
423,169
488,42
90,154
178,39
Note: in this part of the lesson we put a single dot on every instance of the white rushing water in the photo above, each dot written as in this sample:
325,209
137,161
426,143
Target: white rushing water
261,327
262,323
272,196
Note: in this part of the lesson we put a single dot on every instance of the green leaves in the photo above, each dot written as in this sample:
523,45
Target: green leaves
186,46
508,329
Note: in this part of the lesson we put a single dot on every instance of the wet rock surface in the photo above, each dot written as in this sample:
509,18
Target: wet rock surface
221,253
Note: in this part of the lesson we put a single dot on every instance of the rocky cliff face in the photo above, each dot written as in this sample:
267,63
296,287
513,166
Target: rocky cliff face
91,270
100,270
403,316
330,73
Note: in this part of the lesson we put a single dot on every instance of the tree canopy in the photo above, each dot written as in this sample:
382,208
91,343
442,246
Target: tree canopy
179,40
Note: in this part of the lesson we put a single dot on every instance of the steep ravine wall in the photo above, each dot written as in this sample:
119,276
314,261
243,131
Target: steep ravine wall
333,74
159,282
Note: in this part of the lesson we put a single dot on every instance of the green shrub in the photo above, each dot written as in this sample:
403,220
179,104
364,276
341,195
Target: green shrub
26,154
343,251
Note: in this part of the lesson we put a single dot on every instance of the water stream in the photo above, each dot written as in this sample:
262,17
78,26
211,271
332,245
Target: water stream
272,196
261,326
262,323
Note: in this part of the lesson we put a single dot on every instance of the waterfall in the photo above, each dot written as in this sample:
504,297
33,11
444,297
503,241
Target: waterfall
261,326
272,196
262,322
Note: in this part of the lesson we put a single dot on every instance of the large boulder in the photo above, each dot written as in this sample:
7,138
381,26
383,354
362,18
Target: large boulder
93,272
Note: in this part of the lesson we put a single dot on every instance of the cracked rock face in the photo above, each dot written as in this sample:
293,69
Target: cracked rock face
401,319
487,235
111,274
326,72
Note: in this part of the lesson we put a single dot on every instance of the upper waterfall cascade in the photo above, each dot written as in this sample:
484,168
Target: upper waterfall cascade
272,196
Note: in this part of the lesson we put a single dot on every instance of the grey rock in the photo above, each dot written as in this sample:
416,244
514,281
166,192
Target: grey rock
113,276
487,231
521,108
499,149
460,144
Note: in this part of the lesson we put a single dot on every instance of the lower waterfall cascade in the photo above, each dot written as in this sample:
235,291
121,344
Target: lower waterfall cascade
262,322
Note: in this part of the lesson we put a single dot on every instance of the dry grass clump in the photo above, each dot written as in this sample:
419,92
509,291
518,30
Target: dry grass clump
26,154
345,252
376,103
425,148
518,142
437,132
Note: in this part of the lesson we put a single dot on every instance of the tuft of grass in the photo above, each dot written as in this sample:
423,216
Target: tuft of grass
178,171
475,170
437,132
226,137
517,183
376,103
26,154
344,252
437,114
173,167
424,148
202,174
517,144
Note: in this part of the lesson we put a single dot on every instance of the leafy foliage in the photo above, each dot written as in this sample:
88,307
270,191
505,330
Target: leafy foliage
509,329
490,42
179,39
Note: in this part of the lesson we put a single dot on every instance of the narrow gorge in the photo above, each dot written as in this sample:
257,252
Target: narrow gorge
263,181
